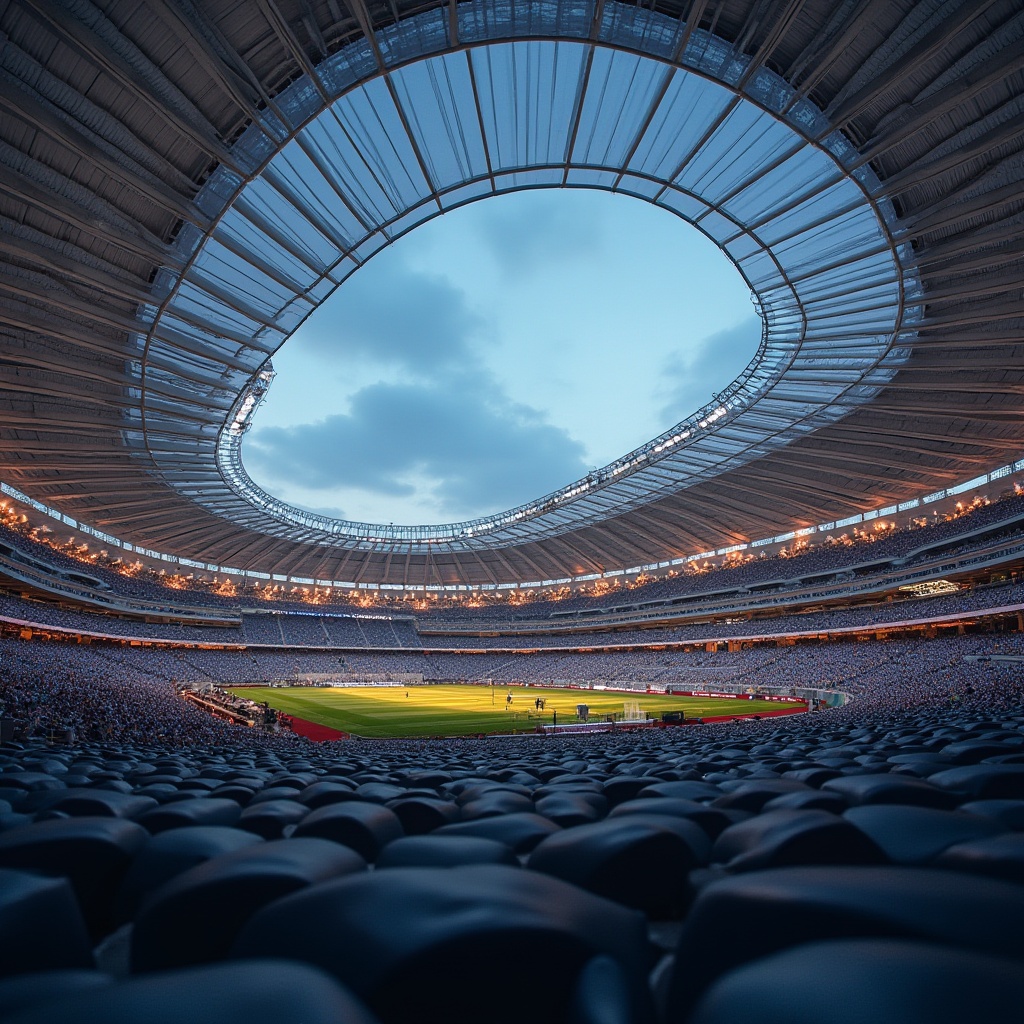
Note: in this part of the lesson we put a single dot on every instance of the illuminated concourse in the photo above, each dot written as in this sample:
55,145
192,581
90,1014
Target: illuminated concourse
184,184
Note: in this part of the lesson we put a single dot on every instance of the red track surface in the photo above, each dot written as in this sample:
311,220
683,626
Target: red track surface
758,714
313,730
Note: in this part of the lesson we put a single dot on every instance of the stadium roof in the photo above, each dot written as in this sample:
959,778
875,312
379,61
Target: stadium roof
183,183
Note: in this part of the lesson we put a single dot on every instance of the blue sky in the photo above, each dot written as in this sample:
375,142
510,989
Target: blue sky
496,353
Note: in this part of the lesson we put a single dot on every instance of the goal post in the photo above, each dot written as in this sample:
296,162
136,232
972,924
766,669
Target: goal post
632,712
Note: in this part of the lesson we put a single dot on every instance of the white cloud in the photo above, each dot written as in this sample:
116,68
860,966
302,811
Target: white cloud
689,380
479,452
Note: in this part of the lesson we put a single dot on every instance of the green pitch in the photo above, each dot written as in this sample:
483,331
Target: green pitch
460,710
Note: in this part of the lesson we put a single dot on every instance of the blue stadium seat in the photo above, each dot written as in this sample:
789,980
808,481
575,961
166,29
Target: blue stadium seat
739,919
621,788
94,854
194,917
890,789
1009,813
171,853
379,792
493,803
481,788
364,827
422,814
813,775
209,810
713,820
270,818
501,945
639,861
753,795
522,832
569,809
916,835
810,800
256,992
426,778
85,802
29,781
269,793
161,792
850,982
983,781
431,851
233,792
789,837
1000,856
41,926
323,793
974,751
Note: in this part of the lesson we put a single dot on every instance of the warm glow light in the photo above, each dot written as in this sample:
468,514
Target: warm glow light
397,599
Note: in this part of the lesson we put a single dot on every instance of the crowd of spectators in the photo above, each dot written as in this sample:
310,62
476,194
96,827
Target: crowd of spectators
68,618
356,634
727,626
131,694
856,550
67,692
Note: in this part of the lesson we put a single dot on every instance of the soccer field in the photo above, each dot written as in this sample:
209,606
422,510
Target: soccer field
461,710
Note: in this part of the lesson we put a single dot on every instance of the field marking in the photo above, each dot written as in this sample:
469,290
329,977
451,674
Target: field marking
460,709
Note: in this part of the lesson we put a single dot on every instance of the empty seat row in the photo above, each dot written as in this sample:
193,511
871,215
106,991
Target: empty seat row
697,878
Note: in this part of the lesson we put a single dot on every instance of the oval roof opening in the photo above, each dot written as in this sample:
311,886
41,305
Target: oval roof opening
499,352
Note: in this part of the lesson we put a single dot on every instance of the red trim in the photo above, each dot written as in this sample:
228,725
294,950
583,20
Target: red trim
756,714
314,731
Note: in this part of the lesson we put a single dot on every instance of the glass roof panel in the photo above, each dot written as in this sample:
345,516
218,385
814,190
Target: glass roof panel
364,166
370,118
192,301
323,174
527,96
620,92
236,232
219,267
793,176
690,106
269,213
737,146
437,98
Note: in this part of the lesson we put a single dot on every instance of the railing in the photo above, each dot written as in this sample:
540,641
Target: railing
25,572
671,612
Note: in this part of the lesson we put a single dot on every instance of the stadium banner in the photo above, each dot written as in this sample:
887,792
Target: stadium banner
735,696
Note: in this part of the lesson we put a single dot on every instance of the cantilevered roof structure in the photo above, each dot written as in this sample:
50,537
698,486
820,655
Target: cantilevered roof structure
183,183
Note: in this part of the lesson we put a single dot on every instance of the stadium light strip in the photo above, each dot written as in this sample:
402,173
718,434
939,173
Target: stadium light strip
865,517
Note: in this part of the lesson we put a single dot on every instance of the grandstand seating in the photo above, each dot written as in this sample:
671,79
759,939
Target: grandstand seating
761,586
656,877
296,630
152,853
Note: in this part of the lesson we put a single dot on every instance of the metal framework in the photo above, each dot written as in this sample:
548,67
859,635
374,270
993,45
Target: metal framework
181,184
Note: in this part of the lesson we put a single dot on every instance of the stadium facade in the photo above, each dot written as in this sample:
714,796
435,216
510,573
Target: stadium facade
184,183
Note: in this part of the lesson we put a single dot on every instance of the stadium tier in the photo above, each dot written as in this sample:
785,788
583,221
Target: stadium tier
841,530
966,562
156,858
